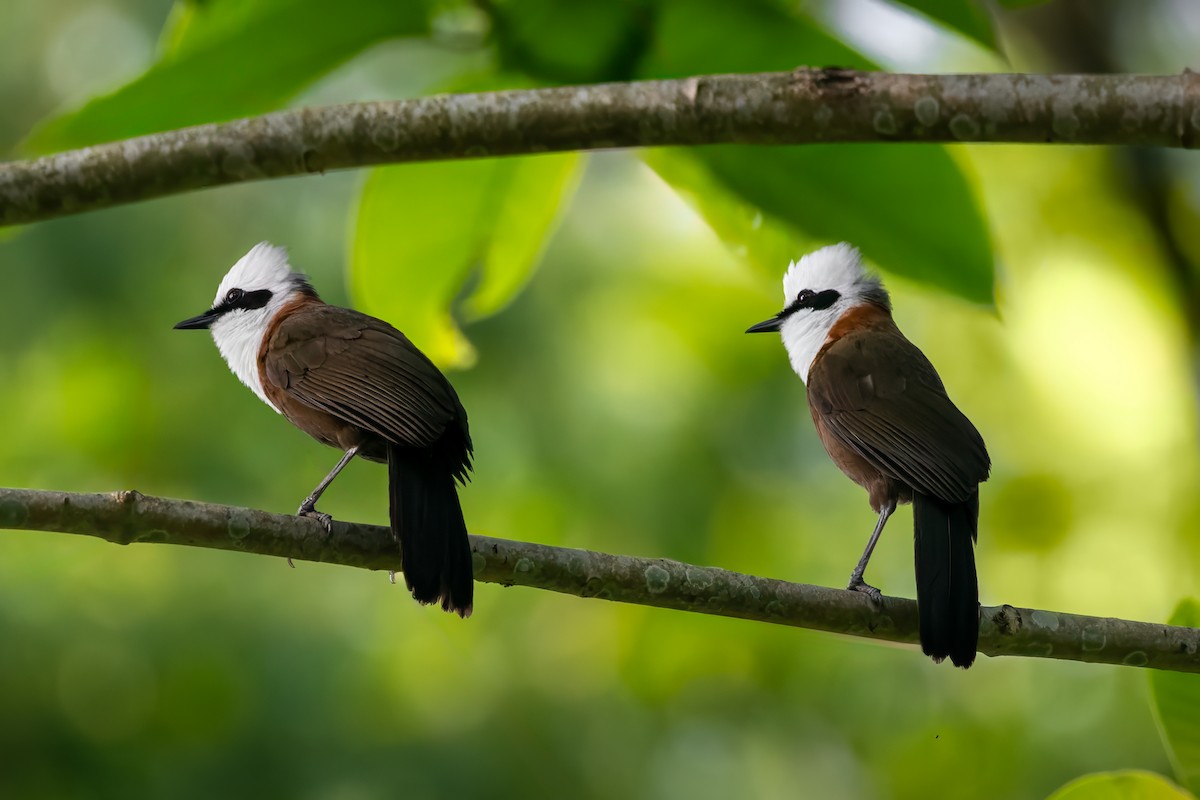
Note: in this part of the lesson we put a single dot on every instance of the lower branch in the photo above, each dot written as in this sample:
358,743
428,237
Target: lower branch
129,517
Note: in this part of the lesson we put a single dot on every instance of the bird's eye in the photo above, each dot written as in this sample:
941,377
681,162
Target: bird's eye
805,296
233,296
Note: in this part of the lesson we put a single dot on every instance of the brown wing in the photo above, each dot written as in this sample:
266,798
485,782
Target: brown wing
880,396
364,371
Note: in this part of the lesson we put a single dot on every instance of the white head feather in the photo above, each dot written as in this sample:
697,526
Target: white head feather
238,333
838,268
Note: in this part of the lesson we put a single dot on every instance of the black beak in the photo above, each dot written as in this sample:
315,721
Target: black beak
767,326
197,323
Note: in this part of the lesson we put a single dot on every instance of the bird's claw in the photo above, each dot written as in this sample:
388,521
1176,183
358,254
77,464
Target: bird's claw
857,584
306,510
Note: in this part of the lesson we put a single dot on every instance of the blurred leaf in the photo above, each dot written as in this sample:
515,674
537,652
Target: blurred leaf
571,42
229,58
1177,707
764,242
908,207
415,238
195,24
422,229
694,37
1125,785
525,217
968,17
179,19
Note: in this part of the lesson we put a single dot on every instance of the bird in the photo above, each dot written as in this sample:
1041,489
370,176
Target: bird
356,383
883,415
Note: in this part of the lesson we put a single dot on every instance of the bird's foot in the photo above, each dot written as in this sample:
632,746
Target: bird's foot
857,584
308,509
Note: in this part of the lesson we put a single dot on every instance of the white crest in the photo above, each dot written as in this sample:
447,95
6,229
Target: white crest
264,267
838,268
239,333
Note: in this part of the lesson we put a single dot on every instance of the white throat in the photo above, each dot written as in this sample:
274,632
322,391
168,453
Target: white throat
804,335
239,338
256,289
835,271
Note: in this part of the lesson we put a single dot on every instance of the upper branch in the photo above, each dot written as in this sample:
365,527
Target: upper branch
805,106
127,517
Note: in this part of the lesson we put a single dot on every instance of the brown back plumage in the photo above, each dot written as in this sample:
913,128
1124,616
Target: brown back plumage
885,419
877,396
349,379
361,372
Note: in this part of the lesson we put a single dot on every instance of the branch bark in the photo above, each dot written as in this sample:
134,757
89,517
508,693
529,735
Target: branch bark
130,517
800,107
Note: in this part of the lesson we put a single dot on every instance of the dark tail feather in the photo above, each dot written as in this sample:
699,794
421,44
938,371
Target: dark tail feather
427,522
947,586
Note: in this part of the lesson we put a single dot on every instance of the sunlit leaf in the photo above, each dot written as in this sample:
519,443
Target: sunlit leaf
1177,706
180,18
229,58
414,240
1125,785
423,229
761,240
968,17
908,207
524,220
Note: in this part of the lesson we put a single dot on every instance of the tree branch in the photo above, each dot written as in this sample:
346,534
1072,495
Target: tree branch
805,106
129,517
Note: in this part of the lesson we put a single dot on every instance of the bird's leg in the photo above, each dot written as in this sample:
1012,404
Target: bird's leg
309,507
857,584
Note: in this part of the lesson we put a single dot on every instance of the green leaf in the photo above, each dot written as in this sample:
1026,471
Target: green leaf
230,58
423,229
763,242
1177,707
968,17
907,206
694,37
570,42
524,219
1124,785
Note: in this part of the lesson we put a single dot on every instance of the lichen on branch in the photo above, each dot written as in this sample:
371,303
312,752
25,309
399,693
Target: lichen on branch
131,517
799,107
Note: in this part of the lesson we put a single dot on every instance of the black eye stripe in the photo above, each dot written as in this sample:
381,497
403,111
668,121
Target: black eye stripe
255,299
816,301
236,298
823,300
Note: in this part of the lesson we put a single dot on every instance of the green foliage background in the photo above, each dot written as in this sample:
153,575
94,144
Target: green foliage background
615,405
